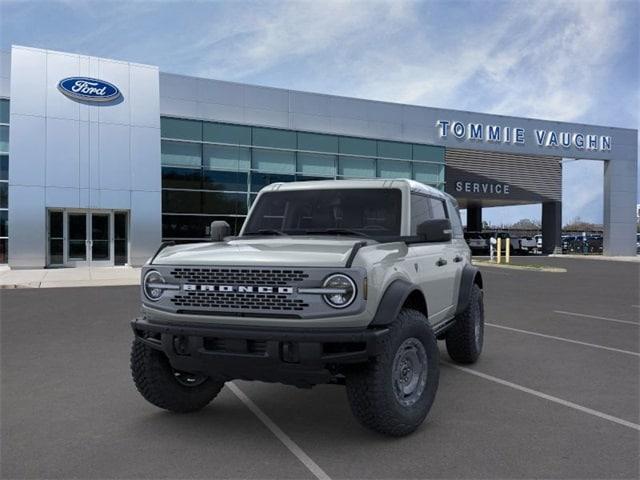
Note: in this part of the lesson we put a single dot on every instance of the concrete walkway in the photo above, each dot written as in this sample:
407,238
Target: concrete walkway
635,258
69,277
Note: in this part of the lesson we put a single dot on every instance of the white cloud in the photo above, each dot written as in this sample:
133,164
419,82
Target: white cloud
275,33
538,59
544,59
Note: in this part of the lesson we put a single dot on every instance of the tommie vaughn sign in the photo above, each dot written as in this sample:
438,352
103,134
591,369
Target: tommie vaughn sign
478,132
88,89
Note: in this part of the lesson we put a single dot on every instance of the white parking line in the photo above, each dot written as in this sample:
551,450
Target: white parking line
596,317
562,339
280,435
551,398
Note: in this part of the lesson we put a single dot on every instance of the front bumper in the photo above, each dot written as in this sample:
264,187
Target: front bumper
303,358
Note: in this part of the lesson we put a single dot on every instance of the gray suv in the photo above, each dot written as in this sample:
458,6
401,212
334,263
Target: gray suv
348,282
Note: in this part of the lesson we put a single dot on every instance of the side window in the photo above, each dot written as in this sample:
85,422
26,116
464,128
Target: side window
420,211
438,210
456,223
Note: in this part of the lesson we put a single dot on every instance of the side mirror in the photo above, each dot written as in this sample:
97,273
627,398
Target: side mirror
434,230
219,230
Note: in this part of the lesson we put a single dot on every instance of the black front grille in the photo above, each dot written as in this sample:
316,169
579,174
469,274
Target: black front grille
239,301
239,276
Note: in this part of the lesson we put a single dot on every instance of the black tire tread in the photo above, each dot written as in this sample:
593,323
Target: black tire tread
153,377
460,339
368,387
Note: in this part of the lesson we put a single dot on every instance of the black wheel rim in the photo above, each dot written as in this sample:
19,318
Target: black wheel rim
409,372
189,379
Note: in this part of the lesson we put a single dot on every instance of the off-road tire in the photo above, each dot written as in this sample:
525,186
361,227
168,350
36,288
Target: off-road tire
155,380
462,344
370,387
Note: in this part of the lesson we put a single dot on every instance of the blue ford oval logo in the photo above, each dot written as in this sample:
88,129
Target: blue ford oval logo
89,89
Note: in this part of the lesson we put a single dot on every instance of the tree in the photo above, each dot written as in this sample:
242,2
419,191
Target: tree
526,224
579,225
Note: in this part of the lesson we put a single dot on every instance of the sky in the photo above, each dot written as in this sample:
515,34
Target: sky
558,60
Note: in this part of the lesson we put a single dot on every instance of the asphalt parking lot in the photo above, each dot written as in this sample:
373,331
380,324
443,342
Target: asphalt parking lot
556,394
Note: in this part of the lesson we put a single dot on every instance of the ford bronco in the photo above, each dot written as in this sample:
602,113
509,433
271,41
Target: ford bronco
348,282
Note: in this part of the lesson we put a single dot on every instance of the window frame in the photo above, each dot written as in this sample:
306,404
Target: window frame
414,239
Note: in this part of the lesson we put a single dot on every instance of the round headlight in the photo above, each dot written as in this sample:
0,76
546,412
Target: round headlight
344,290
151,285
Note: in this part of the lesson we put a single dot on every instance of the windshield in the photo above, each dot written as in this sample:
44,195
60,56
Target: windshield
373,212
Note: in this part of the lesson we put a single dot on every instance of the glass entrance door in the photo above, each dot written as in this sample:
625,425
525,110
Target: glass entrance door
77,240
100,241
87,238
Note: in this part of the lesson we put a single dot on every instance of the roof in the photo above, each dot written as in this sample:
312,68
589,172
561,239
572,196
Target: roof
357,183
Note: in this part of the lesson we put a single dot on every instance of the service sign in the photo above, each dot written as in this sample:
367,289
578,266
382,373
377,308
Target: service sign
88,89
472,186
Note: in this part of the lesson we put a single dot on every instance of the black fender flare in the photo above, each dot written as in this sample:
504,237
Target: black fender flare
391,302
470,275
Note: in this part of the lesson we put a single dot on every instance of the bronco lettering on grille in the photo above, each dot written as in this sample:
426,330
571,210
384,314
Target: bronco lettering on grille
237,288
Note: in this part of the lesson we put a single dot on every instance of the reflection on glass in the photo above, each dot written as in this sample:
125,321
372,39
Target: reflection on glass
195,227
217,180
173,177
4,167
229,158
260,180
180,153
4,195
226,157
4,229
4,256
120,246
56,238
77,236
100,237
55,252
100,250
176,201
4,138
55,224
77,250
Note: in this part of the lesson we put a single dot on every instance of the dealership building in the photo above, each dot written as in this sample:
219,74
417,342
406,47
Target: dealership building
101,160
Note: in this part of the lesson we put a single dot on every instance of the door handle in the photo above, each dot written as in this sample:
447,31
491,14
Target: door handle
457,258
441,262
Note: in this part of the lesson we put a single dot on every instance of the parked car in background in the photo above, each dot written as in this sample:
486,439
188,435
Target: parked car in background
514,242
567,240
528,245
582,244
477,242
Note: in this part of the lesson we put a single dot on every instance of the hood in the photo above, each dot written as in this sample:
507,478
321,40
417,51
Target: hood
263,251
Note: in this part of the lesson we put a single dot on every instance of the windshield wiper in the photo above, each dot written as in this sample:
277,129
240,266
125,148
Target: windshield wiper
337,231
267,231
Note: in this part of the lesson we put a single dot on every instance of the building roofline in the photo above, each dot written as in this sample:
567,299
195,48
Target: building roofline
400,104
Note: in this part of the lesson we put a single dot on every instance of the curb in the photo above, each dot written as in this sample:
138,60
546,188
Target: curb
71,284
602,258
521,267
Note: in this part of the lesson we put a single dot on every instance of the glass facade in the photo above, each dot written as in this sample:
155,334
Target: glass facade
212,171
4,180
